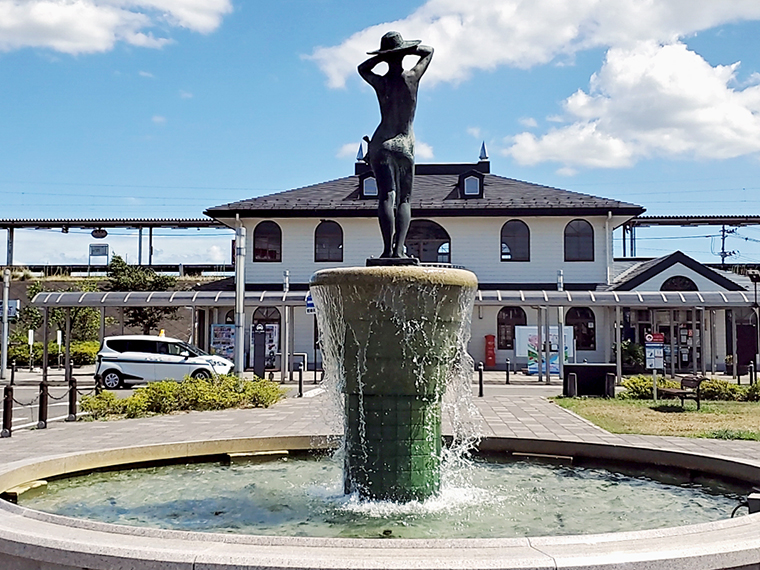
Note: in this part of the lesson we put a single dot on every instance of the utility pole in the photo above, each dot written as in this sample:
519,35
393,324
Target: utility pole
723,253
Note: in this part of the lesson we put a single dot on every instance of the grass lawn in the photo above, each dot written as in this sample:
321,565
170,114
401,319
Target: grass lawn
722,420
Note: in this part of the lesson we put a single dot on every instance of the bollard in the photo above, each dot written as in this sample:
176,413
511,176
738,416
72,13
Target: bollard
609,387
572,385
98,384
70,372
72,417
43,414
752,374
480,379
7,412
300,379
13,372
507,370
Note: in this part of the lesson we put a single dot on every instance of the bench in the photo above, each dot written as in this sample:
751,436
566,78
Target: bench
689,389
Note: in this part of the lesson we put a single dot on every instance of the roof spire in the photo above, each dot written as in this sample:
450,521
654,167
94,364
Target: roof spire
360,154
483,152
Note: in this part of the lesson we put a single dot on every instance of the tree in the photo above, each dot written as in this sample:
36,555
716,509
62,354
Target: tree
124,277
85,321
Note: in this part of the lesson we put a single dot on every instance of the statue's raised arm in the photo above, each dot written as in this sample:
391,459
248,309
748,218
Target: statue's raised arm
391,149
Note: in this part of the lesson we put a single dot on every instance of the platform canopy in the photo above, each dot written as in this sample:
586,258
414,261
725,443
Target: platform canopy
632,299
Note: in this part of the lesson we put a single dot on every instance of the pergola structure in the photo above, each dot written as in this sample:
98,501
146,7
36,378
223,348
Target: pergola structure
704,304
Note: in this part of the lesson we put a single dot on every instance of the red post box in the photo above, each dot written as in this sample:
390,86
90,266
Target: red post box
490,351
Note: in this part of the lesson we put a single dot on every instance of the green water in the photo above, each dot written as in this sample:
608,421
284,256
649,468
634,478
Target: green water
304,497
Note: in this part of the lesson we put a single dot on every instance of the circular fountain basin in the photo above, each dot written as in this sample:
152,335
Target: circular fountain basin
289,494
32,539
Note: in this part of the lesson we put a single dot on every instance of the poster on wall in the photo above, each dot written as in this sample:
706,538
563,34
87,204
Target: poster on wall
223,341
271,345
526,345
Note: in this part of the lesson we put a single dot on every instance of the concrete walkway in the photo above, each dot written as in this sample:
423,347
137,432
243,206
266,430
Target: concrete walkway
515,411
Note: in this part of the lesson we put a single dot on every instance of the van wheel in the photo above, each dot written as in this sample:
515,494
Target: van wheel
112,380
202,374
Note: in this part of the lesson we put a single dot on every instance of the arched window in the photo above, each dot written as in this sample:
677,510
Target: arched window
328,241
584,327
266,316
267,242
679,283
515,241
428,241
579,241
506,321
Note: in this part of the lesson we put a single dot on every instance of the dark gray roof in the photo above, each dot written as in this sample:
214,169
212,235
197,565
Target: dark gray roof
435,193
638,274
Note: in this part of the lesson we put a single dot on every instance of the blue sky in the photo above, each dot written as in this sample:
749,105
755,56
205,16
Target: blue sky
162,108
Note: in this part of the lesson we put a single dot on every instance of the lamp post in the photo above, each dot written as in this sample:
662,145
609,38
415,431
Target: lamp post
754,276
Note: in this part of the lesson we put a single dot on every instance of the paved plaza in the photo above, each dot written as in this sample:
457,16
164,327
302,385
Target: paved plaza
520,410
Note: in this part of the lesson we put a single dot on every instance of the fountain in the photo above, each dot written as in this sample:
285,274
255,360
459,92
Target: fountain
393,337
393,334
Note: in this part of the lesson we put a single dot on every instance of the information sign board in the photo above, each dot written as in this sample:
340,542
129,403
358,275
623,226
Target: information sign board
13,306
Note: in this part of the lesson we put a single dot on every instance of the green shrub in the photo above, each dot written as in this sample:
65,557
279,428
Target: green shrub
752,393
84,353
721,390
160,397
102,405
641,387
136,406
199,394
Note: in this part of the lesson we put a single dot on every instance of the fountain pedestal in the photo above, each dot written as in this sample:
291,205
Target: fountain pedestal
393,336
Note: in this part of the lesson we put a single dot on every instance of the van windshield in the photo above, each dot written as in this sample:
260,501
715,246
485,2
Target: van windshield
193,350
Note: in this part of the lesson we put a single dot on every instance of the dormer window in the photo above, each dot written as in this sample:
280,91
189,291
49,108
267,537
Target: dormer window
471,184
369,187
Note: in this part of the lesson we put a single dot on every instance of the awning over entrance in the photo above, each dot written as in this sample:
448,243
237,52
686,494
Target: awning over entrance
632,299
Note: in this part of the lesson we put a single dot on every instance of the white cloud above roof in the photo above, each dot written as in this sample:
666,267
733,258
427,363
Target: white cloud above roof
89,26
652,97
650,100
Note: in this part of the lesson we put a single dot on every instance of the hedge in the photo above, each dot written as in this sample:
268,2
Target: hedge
200,394
82,353
640,388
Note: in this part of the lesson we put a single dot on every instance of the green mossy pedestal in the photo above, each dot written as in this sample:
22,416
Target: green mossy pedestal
395,335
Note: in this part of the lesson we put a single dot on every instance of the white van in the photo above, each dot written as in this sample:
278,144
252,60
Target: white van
139,358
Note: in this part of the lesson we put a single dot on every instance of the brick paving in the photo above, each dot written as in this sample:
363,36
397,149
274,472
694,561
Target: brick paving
517,410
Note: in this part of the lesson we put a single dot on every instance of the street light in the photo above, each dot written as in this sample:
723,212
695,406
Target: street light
754,276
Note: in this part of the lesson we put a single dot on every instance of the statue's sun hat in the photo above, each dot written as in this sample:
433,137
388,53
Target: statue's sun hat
392,41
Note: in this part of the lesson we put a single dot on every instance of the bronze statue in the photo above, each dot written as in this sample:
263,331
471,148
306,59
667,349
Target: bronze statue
391,149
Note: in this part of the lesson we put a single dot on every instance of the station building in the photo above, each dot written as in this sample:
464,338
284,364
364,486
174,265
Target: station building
542,256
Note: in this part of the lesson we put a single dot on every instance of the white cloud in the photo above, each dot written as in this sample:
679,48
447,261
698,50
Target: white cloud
652,97
651,100
88,26
423,151
528,122
158,119
185,94
348,150
474,132
483,35
147,74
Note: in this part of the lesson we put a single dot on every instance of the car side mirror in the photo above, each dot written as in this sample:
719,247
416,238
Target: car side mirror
184,353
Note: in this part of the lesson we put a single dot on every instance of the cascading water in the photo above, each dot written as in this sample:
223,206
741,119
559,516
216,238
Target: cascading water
393,339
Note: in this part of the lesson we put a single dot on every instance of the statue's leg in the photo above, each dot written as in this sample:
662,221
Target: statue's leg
404,209
386,205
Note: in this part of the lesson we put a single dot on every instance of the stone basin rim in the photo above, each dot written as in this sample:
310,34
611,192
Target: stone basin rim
728,543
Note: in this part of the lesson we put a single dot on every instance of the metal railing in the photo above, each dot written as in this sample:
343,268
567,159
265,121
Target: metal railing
41,403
